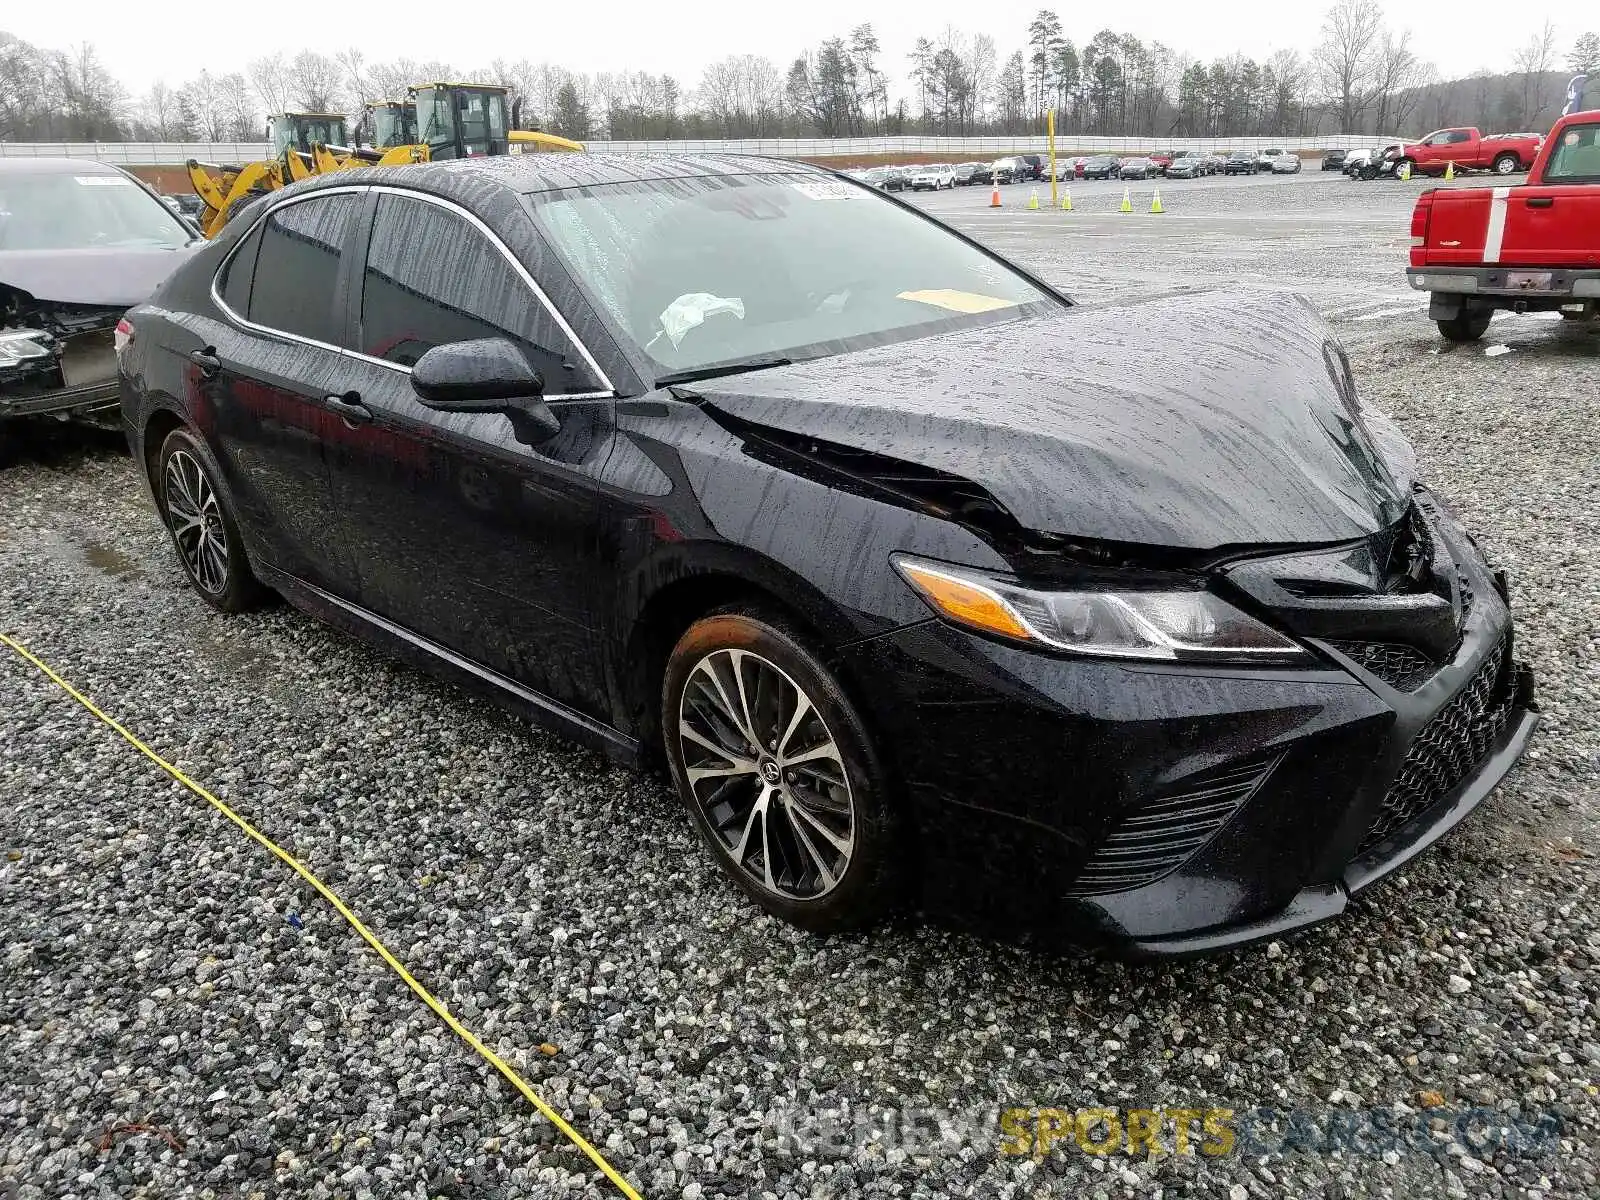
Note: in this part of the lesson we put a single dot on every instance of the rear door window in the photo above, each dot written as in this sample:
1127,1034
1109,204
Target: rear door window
294,288
432,277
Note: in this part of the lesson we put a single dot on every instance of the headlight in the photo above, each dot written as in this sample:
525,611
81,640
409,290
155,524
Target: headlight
25,346
1171,626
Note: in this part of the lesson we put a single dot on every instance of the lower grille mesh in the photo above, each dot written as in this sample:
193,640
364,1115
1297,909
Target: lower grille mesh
1447,750
1402,667
1161,836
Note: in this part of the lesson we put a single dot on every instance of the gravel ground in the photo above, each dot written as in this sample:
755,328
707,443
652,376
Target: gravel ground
164,978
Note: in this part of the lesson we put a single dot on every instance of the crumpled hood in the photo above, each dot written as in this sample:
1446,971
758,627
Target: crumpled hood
115,277
1207,420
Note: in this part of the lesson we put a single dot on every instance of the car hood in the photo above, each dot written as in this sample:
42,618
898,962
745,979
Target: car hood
1195,422
113,277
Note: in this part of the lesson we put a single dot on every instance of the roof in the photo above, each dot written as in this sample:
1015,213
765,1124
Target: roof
57,166
527,174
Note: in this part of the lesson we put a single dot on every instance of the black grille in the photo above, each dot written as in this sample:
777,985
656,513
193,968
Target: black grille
1401,667
1163,835
1447,750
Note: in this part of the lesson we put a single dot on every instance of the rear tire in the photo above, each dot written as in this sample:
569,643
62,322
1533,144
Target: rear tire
1467,327
200,520
1507,164
810,835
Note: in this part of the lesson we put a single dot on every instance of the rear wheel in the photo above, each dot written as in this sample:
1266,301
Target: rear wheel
779,772
201,521
1465,327
1507,164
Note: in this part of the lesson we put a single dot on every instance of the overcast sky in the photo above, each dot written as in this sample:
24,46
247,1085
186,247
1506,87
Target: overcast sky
141,44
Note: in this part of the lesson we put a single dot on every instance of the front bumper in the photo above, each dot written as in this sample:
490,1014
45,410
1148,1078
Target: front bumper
1172,810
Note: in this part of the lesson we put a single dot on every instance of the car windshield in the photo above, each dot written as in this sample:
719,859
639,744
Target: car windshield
699,272
68,211
1576,157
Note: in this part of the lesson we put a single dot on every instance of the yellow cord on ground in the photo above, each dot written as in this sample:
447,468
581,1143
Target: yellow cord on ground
328,894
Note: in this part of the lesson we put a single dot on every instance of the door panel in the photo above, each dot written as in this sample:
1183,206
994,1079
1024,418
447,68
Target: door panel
1556,226
263,399
455,528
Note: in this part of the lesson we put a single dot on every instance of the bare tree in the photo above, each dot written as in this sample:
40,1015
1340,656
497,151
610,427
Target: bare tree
241,118
1350,33
269,76
313,82
1397,72
1533,61
202,98
159,112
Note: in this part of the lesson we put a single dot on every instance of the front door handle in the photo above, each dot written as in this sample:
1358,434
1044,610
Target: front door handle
349,407
1541,201
207,361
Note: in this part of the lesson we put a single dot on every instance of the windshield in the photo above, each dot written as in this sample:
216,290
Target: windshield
1576,158
82,212
712,270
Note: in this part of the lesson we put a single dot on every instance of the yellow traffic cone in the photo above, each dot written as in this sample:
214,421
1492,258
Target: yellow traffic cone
1449,171
1405,172
1033,201
1127,200
1066,200
1155,204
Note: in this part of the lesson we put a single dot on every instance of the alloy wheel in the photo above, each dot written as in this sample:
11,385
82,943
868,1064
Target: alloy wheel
767,774
195,517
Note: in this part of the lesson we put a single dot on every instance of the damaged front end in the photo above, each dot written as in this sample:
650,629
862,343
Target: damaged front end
56,359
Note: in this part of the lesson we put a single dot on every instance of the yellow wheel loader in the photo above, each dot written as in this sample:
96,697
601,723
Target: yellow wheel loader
297,141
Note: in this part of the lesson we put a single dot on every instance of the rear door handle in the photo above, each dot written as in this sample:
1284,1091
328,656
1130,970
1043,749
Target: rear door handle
206,360
349,407
1541,201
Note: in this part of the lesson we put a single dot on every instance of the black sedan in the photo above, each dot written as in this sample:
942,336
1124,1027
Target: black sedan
1137,168
1187,166
80,241
1242,162
1102,166
919,579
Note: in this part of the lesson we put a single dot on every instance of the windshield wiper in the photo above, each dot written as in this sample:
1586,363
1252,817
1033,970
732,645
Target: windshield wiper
718,370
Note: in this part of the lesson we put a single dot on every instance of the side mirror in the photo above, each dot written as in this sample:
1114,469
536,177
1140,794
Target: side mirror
483,375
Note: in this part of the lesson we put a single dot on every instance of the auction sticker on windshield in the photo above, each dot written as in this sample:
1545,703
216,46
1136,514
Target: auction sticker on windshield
957,301
827,189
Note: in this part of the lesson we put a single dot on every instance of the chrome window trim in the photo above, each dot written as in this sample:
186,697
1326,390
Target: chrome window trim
609,389
243,322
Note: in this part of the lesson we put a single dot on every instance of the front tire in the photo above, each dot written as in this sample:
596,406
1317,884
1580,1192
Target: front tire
1507,164
201,522
779,772
1465,327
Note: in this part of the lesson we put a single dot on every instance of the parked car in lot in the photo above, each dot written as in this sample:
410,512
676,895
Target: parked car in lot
1187,166
934,178
1334,160
1036,165
80,242
876,177
1267,158
1137,167
1102,166
1011,169
896,179
1286,164
982,173
1241,162
1160,161
1216,164
1533,248
972,172
1467,148
1063,649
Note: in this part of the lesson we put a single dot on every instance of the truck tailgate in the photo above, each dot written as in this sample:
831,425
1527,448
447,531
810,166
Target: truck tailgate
1535,225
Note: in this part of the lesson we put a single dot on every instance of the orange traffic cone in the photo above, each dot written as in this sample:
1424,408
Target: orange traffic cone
994,198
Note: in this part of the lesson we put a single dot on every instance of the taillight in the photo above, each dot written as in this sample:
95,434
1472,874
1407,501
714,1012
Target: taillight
1420,216
122,336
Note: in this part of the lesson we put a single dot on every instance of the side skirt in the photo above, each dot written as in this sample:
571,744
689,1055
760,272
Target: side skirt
451,667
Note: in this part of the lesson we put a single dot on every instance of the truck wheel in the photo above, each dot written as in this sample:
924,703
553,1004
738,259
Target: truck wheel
1507,164
1466,327
1403,166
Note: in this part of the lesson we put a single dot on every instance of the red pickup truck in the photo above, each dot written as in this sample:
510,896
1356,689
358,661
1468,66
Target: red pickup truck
1504,154
1532,248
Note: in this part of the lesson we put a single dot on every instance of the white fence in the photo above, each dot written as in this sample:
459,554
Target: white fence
932,148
